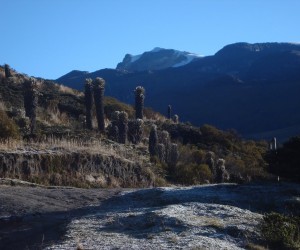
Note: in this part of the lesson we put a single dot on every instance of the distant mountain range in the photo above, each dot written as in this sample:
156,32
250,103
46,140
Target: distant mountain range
252,88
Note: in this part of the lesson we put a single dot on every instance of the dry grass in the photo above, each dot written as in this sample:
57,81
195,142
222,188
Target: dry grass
56,117
251,246
212,222
92,146
67,90
2,106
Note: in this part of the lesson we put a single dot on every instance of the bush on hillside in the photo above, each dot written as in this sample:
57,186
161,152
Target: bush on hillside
8,128
192,173
285,161
112,104
280,231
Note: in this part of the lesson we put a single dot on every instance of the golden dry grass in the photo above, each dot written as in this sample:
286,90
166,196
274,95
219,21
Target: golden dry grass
93,146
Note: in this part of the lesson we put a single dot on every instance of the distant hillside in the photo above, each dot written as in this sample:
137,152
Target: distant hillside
252,88
60,109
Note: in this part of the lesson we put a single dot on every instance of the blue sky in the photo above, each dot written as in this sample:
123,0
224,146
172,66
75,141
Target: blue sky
49,38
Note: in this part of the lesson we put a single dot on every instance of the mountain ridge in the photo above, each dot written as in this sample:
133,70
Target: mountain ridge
251,88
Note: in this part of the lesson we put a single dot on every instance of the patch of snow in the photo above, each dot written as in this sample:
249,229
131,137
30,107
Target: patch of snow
156,49
135,58
189,57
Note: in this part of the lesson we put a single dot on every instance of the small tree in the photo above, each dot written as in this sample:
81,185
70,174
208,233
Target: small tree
88,102
153,141
98,86
113,131
7,71
221,172
169,112
31,102
174,155
123,127
209,160
161,152
139,102
136,130
164,138
176,119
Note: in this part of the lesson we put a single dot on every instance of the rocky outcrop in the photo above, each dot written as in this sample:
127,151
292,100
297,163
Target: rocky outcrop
82,169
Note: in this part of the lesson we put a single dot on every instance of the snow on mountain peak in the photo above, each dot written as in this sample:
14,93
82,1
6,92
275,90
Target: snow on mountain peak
156,49
157,59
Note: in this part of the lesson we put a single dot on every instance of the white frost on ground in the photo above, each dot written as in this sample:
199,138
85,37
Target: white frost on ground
165,218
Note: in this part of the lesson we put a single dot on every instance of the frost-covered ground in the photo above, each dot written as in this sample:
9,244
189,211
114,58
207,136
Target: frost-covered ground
202,217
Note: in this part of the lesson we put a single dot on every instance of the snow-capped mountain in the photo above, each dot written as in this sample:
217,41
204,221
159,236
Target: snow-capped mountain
157,59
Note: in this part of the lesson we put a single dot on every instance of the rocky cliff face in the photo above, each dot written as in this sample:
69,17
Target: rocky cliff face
81,168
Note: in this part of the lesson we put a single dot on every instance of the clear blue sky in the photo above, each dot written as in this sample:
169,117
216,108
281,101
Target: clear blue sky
49,38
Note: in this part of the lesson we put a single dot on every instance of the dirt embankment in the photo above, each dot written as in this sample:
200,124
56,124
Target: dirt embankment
81,168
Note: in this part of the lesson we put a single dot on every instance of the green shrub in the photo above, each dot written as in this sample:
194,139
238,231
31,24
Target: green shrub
192,173
8,128
286,160
112,104
280,231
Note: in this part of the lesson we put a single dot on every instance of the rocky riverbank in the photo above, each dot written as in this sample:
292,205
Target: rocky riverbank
222,216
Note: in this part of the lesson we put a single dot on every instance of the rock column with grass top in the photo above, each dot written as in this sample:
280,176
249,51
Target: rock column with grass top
139,102
88,96
98,87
